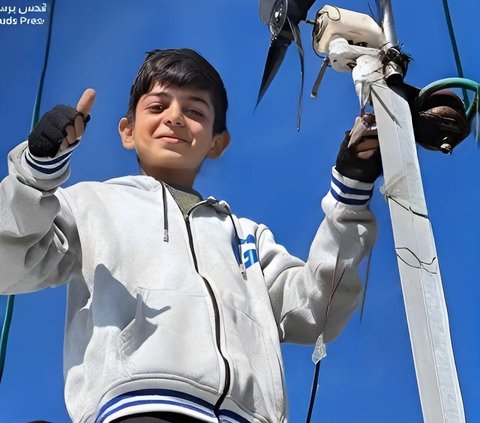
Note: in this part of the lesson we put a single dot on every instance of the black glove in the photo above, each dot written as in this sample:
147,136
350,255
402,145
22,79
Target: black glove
359,155
62,126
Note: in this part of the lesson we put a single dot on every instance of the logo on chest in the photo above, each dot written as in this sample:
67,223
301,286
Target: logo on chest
247,251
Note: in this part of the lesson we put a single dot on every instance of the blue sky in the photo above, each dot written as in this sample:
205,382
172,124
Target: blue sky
270,173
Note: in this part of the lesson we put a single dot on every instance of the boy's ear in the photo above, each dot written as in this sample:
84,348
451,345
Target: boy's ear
125,130
219,144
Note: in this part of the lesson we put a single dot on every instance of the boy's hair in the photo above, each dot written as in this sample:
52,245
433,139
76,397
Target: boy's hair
182,68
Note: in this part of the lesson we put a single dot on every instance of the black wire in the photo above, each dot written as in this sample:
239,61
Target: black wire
313,392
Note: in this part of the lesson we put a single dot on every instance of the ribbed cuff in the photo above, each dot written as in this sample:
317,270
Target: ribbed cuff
46,167
349,191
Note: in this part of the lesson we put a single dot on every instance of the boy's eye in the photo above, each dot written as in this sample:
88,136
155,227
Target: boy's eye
157,107
194,112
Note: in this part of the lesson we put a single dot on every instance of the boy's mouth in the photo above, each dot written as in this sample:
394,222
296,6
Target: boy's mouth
171,139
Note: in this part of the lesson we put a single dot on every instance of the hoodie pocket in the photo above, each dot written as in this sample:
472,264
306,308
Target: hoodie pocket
256,383
171,336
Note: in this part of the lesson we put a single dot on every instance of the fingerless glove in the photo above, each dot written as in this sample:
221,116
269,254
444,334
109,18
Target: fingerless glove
51,131
361,138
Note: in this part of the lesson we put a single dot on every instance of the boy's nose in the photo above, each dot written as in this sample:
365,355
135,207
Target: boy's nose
173,115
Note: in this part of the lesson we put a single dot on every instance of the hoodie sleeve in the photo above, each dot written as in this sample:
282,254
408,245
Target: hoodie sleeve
319,296
38,238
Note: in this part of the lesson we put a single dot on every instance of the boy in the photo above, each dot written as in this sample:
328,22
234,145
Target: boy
176,307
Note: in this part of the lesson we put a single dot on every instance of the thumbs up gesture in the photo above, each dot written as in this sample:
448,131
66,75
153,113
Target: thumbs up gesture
61,128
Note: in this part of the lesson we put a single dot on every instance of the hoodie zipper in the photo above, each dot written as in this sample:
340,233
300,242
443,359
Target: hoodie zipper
216,310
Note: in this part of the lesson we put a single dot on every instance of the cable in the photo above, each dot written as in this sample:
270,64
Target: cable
5,331
456,54
36,110
313,392
465,84
38,99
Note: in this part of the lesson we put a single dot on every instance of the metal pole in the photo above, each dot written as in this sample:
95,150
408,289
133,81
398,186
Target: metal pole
387,22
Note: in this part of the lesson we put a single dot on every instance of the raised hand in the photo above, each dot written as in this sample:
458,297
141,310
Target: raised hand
359,155
61,128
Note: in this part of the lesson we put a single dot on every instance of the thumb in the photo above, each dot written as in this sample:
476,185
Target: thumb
75,132
86,101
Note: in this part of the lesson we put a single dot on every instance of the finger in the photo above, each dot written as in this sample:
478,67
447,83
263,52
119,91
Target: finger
364,127
365,155
367,144
85,103
369,133
368,119
79,125
71,135
359,132
63,146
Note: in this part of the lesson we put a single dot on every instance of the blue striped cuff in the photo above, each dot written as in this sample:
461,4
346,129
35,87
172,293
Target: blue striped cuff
167,400
47,167
349,191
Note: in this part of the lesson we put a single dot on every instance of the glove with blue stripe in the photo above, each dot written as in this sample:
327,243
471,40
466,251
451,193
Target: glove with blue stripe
359,155
56,135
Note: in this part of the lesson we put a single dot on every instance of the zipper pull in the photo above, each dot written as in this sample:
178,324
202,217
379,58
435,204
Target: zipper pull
243,271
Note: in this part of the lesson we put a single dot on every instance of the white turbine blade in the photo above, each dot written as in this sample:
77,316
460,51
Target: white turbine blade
426,311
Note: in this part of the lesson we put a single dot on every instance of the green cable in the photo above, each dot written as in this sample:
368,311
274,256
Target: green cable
38,99
36,110
465,84
5,331
456,54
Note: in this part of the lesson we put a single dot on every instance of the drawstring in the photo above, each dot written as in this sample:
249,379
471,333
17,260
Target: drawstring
220,206
165,213
223,207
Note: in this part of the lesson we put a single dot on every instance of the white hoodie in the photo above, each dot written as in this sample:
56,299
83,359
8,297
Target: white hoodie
174,314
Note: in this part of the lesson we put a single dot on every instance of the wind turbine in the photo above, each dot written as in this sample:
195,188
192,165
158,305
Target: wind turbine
356,43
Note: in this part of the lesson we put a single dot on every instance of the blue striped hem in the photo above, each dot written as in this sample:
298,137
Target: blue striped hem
349,201
195,404
233,416
142,402
348,190
46,170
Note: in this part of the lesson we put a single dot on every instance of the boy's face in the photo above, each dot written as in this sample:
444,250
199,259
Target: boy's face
173,133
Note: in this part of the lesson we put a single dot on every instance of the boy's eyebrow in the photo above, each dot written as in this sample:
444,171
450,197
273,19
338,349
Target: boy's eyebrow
188,97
